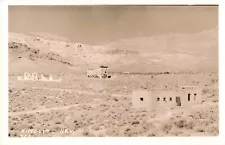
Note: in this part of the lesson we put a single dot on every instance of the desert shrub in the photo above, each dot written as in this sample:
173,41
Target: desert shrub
151,134
135,122
200,130
206,90
57,122
110,131
184,124
167,127
88,133
101,134
95,127
180,123
214,81
190,125
31,127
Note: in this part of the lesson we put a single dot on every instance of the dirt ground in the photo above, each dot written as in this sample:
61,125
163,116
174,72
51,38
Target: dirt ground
162,47
91,107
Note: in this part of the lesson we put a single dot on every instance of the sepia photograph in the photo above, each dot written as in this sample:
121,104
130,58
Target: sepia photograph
113,71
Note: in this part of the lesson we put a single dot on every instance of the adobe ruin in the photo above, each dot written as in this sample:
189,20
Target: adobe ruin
98,73
164,99
36,77
31,76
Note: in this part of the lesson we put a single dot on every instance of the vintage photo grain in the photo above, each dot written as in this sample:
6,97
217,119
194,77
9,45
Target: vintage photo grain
113,71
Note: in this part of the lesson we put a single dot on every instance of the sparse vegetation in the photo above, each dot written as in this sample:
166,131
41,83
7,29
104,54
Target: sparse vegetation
87,106
111,115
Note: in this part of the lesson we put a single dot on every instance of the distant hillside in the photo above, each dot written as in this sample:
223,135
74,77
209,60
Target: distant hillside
45,52
172,52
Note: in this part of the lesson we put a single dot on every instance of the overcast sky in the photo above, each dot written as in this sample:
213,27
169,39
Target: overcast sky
102,24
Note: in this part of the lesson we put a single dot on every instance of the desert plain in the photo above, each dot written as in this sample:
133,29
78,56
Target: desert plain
79,106
82,106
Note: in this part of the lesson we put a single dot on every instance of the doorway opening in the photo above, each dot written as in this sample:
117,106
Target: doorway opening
189,97
178,101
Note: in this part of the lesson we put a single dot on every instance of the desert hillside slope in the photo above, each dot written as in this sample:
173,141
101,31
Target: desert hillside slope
171,52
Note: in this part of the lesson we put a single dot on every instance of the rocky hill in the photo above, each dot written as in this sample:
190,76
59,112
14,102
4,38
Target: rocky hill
171,52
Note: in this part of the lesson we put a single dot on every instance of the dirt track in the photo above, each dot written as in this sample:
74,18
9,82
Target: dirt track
161,47
61,107
109,113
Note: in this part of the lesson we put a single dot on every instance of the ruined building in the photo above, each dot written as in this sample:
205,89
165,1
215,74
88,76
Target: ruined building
37,77
31,76
163,99
98,73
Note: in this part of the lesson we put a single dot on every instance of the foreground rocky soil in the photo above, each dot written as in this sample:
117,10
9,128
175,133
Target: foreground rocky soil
81,106
89,107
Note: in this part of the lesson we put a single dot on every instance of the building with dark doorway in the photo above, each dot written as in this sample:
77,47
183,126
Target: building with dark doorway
164,99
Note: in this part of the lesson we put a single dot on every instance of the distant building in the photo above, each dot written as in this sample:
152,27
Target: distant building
163,99
36,77
98,73
31,76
